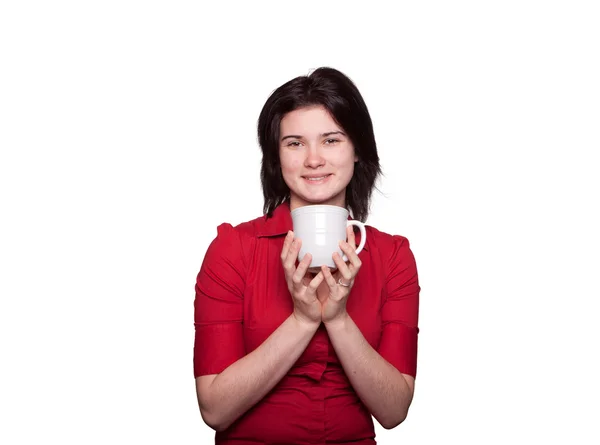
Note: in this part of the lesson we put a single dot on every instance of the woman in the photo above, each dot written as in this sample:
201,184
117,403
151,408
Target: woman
284,356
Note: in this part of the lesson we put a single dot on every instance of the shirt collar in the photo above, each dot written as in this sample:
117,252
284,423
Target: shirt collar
277,224
280,223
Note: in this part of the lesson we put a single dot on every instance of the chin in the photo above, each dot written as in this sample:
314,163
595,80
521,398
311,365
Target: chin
320,199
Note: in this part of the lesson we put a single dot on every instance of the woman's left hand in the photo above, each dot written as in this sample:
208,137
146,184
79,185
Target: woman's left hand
333,292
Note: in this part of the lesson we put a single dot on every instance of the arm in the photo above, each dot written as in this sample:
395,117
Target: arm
226,396
382,378
229,381
385,391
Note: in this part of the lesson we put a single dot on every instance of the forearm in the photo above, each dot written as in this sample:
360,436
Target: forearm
248,380
382,388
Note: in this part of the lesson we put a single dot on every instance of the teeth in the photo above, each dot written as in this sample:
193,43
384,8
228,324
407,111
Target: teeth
316,179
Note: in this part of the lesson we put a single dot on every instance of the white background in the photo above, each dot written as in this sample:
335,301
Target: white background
128,133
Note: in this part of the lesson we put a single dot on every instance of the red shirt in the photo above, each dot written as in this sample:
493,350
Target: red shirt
242,297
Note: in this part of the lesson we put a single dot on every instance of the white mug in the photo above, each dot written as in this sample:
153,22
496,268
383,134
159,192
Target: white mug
321,228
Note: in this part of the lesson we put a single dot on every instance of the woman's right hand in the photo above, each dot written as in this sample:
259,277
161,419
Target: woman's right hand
302,286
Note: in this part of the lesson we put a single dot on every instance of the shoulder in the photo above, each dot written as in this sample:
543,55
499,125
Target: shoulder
384,241
394,250
236,241
394,256
244,230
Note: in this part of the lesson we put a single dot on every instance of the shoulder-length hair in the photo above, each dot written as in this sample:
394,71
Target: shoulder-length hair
334,91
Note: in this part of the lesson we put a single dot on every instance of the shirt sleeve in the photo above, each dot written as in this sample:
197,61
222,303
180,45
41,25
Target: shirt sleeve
218,304
400,310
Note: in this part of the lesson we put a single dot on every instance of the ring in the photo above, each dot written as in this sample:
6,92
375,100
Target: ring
343,284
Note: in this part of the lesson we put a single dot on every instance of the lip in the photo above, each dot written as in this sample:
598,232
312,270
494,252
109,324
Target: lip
313,179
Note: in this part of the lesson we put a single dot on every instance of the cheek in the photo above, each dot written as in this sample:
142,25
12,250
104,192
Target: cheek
345,163
290,165
345,171
348,173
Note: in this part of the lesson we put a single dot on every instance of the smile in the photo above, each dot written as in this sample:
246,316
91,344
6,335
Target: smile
316,179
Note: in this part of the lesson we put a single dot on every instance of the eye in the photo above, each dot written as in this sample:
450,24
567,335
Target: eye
331,141
293,144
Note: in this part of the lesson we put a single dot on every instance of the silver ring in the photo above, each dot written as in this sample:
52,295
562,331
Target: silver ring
343,284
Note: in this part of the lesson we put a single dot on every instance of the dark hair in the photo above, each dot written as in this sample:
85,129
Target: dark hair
334,91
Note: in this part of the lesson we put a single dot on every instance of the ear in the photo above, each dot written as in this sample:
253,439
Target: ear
355,158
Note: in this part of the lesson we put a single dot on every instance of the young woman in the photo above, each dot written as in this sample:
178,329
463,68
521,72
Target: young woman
285,356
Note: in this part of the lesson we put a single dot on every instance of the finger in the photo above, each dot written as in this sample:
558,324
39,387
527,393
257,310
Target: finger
329,279
287,242
301,270
352,256
351,237
342,267
314,283
289,263
292,254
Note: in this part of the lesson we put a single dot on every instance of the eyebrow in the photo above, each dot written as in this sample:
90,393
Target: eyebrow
329,133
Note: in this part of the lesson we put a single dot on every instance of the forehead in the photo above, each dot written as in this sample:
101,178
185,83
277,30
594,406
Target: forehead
308,121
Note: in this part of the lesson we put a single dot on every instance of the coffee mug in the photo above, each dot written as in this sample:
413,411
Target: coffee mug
321,228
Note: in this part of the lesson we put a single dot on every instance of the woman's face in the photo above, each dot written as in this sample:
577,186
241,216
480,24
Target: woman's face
317,158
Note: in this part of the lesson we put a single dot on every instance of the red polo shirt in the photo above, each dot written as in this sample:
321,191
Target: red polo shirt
242,297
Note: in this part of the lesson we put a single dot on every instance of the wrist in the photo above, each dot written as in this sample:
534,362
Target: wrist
305,324
338,323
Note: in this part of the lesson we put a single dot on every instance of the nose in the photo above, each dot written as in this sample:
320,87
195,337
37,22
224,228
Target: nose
314,157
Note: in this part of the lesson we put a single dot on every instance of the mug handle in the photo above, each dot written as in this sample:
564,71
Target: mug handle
363,236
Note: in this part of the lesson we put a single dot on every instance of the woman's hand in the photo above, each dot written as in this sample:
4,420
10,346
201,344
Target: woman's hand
333,292
302,286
